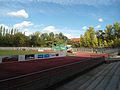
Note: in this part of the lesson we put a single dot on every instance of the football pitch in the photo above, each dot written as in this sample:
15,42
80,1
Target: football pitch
17,52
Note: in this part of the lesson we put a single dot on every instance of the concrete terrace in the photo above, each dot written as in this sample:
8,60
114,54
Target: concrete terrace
103,77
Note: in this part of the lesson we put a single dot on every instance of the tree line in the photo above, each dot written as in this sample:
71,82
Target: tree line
110,37
14,38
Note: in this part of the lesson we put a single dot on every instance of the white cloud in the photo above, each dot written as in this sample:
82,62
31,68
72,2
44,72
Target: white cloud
55,30
24,27
7,27
84,27
49,29
24,24
21,26
27,32
21,13
98,27
100,20
68,35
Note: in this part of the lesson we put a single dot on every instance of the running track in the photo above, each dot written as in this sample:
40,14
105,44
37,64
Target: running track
13,69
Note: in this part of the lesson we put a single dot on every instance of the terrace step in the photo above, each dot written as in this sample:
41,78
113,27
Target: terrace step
96,79
105,77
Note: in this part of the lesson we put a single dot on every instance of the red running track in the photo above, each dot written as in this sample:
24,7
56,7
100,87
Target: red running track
86,54
13,69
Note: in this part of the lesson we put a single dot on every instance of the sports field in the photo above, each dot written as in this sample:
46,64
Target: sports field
17,52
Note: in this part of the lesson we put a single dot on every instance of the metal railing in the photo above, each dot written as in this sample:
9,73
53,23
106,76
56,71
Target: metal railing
25,48
99,50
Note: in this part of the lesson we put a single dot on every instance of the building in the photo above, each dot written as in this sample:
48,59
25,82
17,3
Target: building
75,39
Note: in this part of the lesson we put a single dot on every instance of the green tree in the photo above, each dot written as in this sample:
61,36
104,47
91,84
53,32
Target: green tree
35,39
109,33
116,30
89,37
101,37
82,41
20,39
116,27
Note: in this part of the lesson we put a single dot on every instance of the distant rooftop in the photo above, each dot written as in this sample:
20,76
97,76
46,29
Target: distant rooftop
75,39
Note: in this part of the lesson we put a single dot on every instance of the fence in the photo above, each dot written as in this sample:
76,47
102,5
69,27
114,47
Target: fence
25,48
99,50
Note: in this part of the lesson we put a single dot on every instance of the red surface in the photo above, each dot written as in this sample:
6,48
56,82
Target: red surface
85,54
12,69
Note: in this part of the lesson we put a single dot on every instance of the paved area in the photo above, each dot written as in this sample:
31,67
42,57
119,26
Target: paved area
104,77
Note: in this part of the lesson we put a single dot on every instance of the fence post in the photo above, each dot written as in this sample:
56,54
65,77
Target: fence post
21,58
0,59
36,56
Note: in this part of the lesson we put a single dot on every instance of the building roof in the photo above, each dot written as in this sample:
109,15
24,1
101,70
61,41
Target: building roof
75,39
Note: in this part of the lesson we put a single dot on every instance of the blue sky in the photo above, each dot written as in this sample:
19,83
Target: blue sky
71,17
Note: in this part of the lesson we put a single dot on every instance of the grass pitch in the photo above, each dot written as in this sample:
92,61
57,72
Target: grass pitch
17,52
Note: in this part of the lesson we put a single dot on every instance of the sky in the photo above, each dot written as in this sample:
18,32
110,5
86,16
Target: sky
71,17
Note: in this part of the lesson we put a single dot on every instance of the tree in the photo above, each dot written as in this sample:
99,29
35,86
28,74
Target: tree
109,33
100,36
116,28
35,39
1,38
20,39
81,41
12,31
3,31
89,37
51,36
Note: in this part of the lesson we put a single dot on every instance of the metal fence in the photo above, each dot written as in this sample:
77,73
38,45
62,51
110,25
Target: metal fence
25,48
98,50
